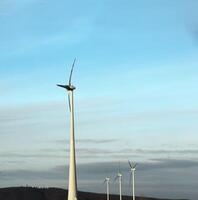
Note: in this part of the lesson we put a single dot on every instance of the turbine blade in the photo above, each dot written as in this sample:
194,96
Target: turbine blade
134,166
130,164
119,168
63,86
69,103
115,179
130,179
71,71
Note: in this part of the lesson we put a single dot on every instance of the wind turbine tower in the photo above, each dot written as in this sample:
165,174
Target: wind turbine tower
72,187
119,177
107,180
132,173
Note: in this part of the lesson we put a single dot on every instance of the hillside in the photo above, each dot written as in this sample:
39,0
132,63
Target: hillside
30,193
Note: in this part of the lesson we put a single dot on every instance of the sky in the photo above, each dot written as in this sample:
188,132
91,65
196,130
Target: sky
135,99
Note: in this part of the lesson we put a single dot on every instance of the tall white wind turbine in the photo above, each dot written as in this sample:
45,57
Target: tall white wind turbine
72,187
119,178
132,173
107,181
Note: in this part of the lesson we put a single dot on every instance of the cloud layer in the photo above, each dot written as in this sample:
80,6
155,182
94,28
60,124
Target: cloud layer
162,177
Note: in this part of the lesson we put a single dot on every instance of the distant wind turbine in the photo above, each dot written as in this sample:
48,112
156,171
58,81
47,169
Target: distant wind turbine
119,178
72,188
107,181
132,173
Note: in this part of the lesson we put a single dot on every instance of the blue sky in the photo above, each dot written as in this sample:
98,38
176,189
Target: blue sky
136,96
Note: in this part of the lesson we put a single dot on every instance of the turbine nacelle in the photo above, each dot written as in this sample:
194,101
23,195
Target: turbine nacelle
107,179
132,169
67,87
118,177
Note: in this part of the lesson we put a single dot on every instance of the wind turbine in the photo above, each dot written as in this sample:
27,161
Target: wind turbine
132,173
107,180
119,177
72,188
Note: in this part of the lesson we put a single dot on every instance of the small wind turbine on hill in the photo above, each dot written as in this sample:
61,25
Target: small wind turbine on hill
119,178
132,174
107,181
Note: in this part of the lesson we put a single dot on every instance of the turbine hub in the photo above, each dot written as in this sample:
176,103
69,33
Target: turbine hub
107,179
70,87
